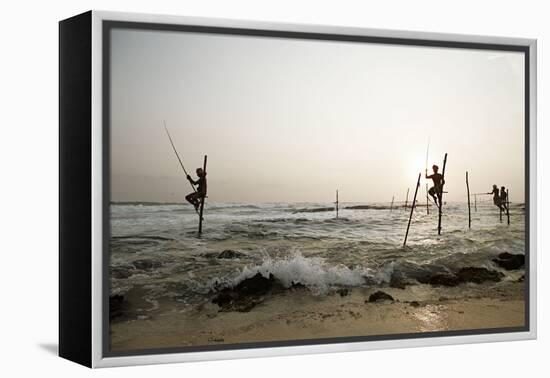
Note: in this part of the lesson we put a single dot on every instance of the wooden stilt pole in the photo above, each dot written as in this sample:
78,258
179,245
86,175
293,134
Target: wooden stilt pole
500,214
427,201
440,195
508,204
336,203
203,198
391,206
412,210
469,210
475,203
407,198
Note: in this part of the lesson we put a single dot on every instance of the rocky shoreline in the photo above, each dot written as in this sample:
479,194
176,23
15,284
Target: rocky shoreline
296,314
252,291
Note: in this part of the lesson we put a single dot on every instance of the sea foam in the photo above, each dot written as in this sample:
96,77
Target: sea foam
312,272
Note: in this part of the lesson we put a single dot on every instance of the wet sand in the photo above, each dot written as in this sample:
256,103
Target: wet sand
298,315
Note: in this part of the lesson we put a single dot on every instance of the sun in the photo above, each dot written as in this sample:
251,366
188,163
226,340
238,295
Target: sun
415,166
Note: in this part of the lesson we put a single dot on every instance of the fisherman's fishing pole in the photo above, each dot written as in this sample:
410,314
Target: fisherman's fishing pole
177,155
426,173
427,154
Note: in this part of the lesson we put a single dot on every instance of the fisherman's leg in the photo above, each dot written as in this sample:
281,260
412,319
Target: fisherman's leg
197,201
192,198
431,192
189,198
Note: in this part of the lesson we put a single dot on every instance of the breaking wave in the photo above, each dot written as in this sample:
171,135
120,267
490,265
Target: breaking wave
312,272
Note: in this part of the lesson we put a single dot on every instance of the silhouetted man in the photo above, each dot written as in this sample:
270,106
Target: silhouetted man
195,198
496,197
436,190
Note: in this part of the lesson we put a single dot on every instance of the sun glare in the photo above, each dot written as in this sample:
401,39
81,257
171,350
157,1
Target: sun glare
417,166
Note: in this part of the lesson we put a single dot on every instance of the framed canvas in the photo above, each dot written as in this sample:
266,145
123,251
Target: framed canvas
233,189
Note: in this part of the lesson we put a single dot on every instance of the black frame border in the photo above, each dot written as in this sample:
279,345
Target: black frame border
75,189
109,25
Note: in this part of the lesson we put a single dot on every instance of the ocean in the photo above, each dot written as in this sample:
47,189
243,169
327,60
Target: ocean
156,247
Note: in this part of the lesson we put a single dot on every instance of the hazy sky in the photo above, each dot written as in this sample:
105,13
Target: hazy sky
286,120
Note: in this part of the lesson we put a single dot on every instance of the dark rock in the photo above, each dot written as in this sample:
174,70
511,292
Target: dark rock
478,275
256,285
247,294
522,278
146,264
468,274
423,274
343,292
510,261
224,298
380,296
297,285
442,279
506,255
414,304
398,281
424,278
231,254
117,306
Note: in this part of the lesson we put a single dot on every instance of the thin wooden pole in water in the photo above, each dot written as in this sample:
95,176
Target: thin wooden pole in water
469,210
336,203
441,195
501,214
475,203
407,198
412,210
391,206
508,205
203,198
427,201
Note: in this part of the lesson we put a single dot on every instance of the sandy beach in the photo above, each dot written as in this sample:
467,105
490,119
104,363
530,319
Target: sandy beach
297,314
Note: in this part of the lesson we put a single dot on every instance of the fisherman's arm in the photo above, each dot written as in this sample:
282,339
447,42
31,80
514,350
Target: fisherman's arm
192,181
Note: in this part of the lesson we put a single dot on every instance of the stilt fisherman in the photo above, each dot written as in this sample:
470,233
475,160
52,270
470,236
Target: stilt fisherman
195,198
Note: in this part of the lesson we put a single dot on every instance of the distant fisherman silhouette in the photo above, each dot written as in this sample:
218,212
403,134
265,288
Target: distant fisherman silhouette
436,190
496,197
195,198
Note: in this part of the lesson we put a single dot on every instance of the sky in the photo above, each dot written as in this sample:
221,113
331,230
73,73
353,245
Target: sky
291,120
